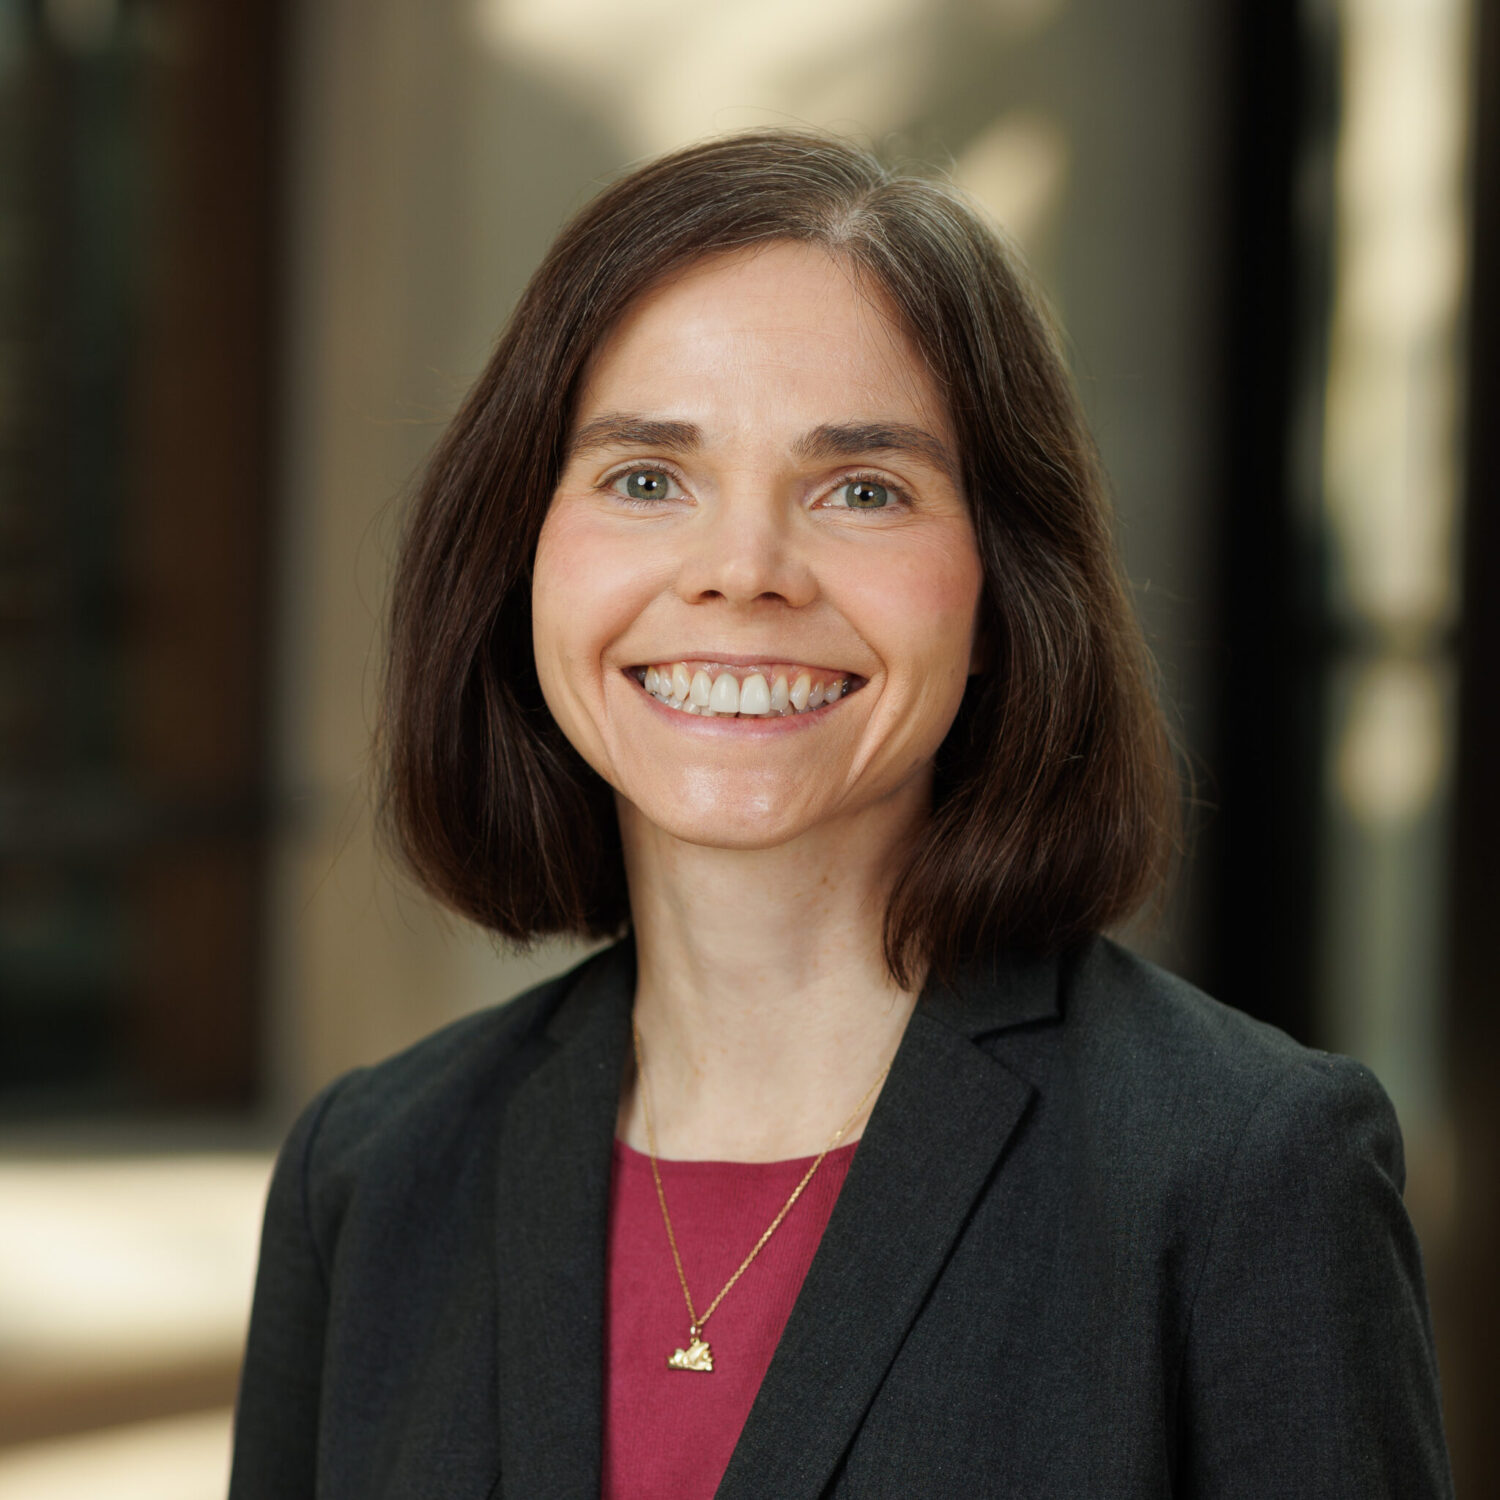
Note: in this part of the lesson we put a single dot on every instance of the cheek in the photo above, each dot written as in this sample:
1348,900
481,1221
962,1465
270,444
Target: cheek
587,586
923,605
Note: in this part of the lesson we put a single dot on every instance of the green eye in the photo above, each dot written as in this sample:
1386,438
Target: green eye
865,494
646,484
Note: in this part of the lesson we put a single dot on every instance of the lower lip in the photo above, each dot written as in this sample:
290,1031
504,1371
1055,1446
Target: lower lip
756,726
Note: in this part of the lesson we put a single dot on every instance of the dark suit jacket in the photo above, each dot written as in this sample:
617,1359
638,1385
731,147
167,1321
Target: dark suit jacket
1102,1237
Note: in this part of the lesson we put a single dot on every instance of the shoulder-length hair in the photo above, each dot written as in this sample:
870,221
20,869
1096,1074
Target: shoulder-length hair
1055,798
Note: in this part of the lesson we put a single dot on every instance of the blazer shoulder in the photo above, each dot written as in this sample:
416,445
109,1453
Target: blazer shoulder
1170,1057
430,1091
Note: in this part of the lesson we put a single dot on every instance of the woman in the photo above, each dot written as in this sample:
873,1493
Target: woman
760,604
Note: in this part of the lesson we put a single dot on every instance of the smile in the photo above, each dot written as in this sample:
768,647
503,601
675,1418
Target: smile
775,690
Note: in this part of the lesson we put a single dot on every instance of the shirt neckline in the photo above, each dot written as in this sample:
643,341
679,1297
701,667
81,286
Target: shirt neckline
626,1152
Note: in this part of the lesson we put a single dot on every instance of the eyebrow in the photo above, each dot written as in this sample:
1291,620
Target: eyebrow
828,441
618,430
850,439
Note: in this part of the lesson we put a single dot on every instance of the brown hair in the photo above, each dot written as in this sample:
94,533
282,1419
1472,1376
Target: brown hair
1055,797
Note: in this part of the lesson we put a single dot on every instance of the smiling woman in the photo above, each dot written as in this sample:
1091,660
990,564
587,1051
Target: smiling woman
894,312
782,509
760,610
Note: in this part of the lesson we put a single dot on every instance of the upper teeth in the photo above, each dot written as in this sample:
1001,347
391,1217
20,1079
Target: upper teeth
699,691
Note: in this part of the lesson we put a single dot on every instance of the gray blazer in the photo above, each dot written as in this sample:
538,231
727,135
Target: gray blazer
1103,1237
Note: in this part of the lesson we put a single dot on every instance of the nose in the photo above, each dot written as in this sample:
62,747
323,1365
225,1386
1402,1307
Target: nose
747,549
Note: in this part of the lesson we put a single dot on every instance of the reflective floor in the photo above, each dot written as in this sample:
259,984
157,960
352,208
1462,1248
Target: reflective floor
181,1458
124,1292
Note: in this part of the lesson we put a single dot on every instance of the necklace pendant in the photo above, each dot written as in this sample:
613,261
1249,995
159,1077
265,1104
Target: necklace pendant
697,1356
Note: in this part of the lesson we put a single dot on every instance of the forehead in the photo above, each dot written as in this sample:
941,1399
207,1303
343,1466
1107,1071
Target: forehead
781,331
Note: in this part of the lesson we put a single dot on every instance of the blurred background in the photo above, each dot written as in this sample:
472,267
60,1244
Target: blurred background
252,252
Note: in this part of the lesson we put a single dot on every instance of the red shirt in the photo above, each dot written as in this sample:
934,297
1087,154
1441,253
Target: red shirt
670,1432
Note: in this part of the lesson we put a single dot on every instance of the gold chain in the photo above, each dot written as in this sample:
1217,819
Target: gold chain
661,1197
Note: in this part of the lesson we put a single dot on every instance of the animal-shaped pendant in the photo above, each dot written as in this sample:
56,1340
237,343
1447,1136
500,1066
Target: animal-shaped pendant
697,1356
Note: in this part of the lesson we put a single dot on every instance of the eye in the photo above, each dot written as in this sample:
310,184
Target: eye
864,494
643,484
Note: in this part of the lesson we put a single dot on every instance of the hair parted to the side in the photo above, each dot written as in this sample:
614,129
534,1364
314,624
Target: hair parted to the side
1055,801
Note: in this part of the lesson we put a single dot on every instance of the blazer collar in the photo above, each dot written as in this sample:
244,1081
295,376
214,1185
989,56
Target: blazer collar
995,994
893,1225
552,1226
992,994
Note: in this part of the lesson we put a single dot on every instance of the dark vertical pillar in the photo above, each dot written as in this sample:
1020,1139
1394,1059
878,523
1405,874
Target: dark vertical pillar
199,550
1258,839
1468,1293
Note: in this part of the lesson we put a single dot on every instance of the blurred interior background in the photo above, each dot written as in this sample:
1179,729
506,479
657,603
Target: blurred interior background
251,254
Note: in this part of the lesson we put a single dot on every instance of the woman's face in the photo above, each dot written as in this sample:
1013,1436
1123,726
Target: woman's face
756,587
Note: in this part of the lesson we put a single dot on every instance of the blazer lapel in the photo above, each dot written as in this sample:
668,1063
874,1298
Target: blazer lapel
552,1212
933,1140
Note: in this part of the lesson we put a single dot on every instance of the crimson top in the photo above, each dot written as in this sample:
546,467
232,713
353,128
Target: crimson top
671,1432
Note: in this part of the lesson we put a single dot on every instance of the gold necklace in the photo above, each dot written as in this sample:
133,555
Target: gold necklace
697,1355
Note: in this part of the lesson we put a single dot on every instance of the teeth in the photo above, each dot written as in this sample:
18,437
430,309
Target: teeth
725,698
694,691
755,696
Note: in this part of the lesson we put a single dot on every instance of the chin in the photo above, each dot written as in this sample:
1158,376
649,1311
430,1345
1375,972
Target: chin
746,841
726,825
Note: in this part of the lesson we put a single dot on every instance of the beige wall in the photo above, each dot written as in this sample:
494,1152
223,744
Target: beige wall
436,147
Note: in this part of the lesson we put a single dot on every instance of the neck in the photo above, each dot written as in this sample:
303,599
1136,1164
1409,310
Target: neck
763,1001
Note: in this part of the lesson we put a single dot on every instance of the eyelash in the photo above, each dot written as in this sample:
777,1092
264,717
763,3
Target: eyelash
607,484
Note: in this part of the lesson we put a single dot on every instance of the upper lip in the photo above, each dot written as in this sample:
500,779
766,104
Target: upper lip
739,659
